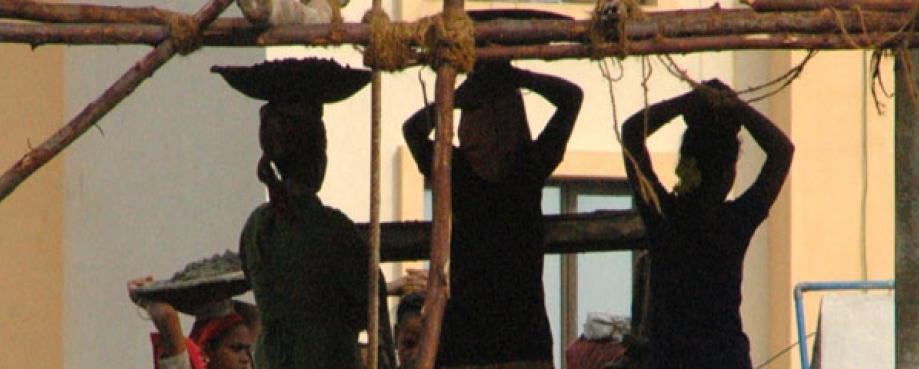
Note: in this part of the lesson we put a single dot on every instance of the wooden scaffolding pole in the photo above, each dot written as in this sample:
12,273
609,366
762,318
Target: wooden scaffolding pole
373,322
669,25
793,5
436,295
906,138
83,13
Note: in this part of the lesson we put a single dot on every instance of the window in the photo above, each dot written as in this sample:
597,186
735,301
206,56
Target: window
577,284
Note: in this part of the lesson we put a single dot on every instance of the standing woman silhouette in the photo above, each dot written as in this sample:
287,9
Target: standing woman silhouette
697,238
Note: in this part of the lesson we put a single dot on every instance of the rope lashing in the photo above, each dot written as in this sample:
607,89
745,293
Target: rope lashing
444,38
454,41
389,47
185,34
608,20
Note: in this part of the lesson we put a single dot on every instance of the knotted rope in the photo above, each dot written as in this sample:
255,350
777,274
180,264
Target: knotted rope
608,20
186,35
440,39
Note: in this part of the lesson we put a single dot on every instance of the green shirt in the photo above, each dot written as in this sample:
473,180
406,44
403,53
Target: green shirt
309,277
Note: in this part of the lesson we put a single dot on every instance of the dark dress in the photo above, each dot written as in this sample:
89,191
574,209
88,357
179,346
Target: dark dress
695,277
310,283
496,312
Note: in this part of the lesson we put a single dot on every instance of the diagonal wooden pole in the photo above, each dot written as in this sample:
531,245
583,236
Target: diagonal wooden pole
98,108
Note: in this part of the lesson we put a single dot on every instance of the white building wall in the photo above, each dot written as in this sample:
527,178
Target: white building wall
169,177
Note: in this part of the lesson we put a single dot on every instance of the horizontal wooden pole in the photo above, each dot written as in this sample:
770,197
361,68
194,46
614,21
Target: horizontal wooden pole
80,34
236,32
82,13
693,45
804,5
594,232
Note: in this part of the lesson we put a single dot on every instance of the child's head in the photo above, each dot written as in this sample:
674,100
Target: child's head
409,327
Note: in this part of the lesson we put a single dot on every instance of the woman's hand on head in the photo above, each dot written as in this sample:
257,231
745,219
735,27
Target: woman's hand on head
412,280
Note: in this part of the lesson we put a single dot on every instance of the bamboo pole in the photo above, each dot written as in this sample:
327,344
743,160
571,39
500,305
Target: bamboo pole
97,109
710,22
799,5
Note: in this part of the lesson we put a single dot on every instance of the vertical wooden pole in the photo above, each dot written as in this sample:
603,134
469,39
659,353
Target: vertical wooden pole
907,211
436,296
373,296
373,318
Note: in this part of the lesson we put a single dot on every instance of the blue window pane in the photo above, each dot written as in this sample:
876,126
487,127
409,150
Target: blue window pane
551,200
604,278
552,276
428,204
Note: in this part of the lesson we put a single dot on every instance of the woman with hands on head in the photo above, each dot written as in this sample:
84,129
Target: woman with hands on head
496,314
698,238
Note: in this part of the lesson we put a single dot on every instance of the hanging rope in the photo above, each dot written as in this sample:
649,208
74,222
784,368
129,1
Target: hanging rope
645,188
901,45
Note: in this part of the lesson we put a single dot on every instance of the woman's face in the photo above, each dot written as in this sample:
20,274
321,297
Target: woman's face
296,145
232,350
493,127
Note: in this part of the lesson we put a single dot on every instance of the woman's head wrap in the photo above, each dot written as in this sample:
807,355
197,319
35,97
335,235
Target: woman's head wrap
205,332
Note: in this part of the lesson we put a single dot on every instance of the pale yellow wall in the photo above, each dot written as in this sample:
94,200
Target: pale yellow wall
826,112
31,218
